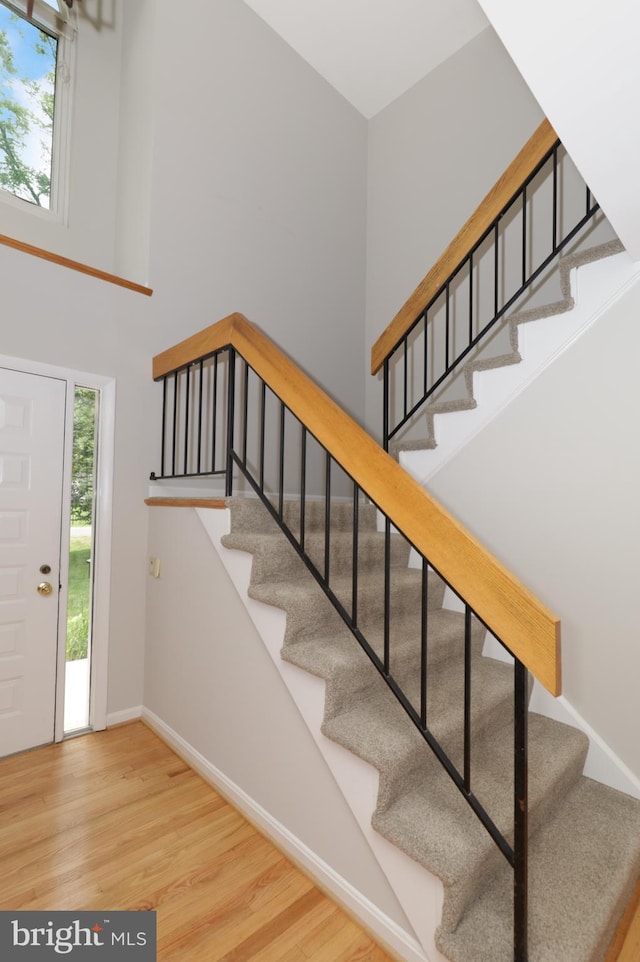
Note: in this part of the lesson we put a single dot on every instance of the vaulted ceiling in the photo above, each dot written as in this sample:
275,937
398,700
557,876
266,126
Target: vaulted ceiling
371,51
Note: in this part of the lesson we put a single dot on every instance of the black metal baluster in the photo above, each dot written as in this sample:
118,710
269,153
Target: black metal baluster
354,559
406,376
425,335
200,371
424,639
387,596
447,320
303,485
327,517
588,201
554,241
214,425
263,415
164,424
521,833
281,464
524,235
496,268
245,412
231,400
175,423
385,405
467,698
470,298
187,393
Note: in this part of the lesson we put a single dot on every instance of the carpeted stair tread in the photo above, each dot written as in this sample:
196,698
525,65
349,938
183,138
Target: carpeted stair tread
583,865
306,594
275,559
432,823
337,658
419,809
375,727
328,654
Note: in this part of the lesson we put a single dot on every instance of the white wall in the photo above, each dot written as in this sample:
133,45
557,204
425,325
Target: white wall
238,713
580,59
433,156
551,487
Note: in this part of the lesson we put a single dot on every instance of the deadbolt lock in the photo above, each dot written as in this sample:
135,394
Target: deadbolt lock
44,588
45,569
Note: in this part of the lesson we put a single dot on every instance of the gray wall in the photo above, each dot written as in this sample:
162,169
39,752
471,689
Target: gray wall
258,193
433,155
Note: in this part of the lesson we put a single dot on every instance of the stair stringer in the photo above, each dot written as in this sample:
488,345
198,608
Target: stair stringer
595,286
419,893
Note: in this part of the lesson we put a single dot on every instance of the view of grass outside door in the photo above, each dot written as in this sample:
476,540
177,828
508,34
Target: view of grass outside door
81,547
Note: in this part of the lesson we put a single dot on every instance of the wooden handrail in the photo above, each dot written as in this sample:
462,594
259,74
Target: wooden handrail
73,265
509,609
498,197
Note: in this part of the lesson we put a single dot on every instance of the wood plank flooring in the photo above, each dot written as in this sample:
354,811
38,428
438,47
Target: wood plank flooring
625,946
115,820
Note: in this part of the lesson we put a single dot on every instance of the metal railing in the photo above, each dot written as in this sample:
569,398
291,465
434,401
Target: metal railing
220,418
547,212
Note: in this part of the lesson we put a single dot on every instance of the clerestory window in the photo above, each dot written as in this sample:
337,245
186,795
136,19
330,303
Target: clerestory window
35,42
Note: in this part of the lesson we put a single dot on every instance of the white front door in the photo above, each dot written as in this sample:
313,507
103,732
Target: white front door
32,424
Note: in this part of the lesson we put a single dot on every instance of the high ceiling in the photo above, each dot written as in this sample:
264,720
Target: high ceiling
373,50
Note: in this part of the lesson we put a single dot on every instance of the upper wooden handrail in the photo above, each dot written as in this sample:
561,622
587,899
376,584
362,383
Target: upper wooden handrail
74,265
509,609
496,200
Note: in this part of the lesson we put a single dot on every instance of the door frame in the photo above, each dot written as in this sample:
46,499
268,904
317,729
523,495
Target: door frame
105,444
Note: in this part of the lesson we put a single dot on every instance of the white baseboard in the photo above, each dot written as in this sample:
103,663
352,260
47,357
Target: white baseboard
127,715
368,914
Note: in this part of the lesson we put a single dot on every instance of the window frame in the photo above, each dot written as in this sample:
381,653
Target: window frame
64,29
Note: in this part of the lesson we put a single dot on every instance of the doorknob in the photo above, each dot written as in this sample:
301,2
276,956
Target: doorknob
44,588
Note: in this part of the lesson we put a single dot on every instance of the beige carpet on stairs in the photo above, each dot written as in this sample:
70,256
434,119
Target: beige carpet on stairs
584,837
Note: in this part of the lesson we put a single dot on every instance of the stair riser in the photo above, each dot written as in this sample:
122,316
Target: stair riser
276,560
251,516
308,610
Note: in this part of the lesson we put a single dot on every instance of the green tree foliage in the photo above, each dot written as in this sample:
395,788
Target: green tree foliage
84,434
20,122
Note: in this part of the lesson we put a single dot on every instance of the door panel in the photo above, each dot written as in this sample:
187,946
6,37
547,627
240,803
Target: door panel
32,417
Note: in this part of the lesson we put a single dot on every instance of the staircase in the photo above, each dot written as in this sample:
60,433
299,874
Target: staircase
584,837
506,349
334,527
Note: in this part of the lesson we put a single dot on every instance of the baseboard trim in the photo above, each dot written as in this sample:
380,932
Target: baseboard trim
122,717
394,939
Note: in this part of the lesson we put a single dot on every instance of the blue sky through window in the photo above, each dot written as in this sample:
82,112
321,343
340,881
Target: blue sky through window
26,93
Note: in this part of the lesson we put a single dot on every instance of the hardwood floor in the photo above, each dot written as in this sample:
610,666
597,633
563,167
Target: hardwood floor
625,946
115,820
